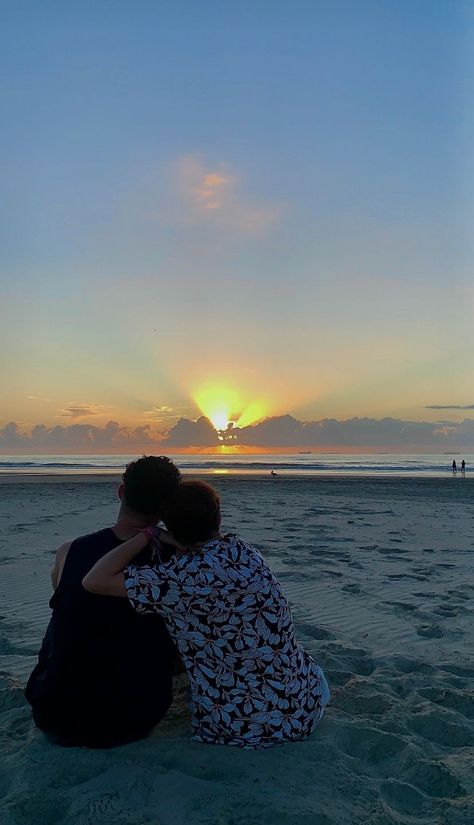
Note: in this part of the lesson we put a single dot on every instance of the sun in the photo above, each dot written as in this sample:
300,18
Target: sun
222,405
220,418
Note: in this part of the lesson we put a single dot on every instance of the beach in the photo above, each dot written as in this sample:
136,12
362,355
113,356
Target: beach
379,575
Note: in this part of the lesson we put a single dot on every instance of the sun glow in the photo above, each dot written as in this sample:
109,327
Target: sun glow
219,404
223,405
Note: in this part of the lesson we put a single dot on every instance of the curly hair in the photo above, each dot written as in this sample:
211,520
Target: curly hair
148,481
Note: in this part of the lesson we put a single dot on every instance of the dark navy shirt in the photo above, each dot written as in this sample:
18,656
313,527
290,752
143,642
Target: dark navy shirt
104,673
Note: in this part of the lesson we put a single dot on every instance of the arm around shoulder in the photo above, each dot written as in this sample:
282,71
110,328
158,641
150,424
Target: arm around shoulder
106,578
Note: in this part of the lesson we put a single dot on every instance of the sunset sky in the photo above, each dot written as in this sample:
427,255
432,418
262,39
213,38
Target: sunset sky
243,209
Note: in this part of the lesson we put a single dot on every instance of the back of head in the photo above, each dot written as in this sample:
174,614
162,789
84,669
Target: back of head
147,482
192,513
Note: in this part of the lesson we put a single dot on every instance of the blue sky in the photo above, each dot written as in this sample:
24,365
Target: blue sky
259,194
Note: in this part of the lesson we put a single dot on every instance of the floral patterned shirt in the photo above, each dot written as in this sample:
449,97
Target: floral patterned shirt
252,685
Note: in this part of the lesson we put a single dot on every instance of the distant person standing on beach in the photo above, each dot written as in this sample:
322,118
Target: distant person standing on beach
252,684
463,468
454,467
96,684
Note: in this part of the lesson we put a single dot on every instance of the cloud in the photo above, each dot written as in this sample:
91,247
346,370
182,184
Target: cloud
79,410
214,194
187,433
278,431
158,412
286,431
76,436
450,407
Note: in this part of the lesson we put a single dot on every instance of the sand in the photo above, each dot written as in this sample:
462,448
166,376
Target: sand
379,575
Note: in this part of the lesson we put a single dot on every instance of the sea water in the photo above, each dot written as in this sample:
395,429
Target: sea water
307,463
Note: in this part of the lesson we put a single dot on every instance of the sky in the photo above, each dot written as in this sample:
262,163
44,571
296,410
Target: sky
243,211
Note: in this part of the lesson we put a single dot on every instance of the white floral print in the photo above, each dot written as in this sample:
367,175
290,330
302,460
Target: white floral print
252,684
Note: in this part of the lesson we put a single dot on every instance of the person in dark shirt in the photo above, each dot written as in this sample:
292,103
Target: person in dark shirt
95,683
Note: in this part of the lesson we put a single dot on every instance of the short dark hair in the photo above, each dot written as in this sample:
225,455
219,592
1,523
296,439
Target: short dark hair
192,512
148,481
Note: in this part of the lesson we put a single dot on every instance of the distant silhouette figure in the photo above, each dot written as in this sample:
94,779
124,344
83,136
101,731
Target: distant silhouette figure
463,468
273,474
454,467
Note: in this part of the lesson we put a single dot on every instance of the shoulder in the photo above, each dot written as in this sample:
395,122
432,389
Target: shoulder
235,543
62,551
59,562
77,546
106,534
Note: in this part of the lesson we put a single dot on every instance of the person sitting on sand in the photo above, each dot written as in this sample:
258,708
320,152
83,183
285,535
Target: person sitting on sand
95,683
252,684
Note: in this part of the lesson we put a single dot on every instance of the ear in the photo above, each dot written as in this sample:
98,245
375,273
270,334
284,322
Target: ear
121,491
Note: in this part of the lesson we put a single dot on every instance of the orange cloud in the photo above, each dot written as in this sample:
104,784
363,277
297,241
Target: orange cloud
216,193
80,410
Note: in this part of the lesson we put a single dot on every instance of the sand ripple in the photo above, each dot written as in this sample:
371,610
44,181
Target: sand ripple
379,575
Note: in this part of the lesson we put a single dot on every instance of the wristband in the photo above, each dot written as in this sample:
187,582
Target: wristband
150,534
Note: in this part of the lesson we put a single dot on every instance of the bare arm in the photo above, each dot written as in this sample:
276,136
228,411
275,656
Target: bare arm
60,558
106,577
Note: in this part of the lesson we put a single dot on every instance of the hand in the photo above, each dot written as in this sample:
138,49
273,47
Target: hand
167,538
162,544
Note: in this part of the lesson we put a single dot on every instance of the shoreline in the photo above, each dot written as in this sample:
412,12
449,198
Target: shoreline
236,475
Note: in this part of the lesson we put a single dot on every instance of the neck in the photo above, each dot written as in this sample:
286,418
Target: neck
128,523
194,548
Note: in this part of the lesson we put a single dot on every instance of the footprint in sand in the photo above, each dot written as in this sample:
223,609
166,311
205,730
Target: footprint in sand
334,574
11,694
460,594
351,588
403,797
446,611
371,745
361,700
338,678
314,632
354,659
9,649
430,631
465,672
397,576
435,728
433,778
404,664
403,607
458,700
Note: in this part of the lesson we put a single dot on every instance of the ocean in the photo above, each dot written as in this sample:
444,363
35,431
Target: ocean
370,464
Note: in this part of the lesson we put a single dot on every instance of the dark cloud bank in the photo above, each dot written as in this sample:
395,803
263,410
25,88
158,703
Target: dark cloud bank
279,431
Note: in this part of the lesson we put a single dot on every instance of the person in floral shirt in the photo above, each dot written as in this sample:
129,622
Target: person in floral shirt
252,684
